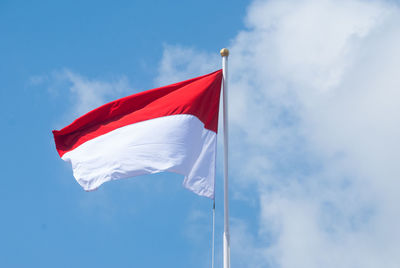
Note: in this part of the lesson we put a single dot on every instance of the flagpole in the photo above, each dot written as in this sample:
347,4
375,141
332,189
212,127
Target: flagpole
224,54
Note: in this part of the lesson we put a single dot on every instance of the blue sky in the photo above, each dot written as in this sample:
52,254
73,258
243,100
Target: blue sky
314,123
48,220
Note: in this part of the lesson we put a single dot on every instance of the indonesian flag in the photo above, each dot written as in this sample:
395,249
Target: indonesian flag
171,128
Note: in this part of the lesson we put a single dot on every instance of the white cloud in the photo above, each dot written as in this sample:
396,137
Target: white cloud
180,63
314,97
92,93
84,94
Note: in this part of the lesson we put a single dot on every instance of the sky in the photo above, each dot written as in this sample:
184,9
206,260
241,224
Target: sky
314,123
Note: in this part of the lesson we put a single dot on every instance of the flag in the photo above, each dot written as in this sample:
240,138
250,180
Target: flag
171,128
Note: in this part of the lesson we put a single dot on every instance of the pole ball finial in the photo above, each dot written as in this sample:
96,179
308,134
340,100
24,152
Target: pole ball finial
224,52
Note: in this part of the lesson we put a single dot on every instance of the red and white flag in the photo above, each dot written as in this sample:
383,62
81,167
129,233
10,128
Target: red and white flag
172,128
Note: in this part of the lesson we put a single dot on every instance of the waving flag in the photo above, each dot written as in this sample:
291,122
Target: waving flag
172,128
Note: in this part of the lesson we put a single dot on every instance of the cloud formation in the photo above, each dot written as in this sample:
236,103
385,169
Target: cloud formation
84,93
314,97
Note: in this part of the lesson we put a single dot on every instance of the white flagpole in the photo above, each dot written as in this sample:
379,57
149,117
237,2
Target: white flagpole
224,54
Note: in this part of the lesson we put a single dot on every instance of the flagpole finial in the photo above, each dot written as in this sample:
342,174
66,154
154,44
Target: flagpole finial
224,52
